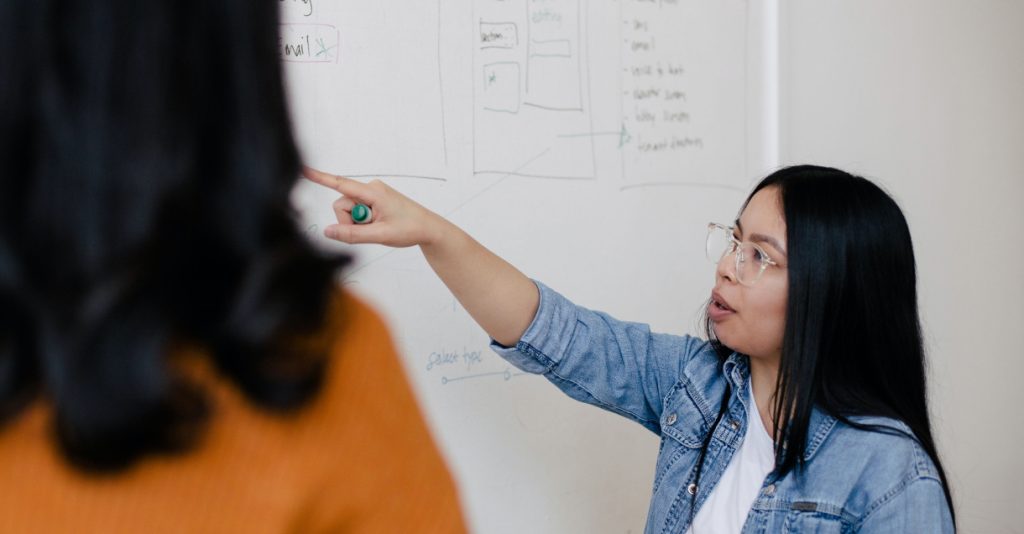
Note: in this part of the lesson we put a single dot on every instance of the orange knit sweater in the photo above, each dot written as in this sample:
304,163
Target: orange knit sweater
359,458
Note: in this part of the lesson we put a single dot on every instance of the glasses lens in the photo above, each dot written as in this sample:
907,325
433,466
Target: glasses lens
749,263
718,243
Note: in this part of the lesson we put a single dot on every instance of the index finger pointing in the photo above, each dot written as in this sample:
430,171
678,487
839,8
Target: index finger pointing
320,177
346,186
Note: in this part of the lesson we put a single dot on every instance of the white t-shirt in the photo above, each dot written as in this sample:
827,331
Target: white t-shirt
726,509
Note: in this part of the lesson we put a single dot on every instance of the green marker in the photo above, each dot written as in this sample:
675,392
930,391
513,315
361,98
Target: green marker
361,214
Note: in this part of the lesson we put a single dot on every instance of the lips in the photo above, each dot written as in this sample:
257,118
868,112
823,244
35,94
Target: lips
716,298
719,308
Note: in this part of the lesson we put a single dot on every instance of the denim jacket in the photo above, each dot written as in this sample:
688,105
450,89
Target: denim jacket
852,481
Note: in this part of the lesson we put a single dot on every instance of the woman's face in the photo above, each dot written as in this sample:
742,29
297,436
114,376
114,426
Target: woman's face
751,318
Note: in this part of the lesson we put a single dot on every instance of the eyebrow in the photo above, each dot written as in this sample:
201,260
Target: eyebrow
763,239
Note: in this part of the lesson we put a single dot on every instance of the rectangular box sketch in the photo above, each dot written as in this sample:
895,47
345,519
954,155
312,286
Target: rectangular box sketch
554,48
498,35
530,114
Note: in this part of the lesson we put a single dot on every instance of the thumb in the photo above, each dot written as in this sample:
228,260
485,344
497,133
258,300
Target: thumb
354,234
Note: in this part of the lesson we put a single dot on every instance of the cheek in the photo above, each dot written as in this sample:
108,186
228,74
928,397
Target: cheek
774,325
769,318
762,323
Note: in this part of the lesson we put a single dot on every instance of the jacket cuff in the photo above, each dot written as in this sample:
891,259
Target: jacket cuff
547,338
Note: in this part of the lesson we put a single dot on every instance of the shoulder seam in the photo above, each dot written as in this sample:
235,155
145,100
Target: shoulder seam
893,492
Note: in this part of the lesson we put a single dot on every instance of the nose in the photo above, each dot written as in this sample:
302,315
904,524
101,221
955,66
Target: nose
726,268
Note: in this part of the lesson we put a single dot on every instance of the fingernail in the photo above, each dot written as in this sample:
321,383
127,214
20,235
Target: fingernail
331,233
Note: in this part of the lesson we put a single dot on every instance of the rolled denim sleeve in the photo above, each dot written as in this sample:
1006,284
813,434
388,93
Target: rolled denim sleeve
919,507
594,358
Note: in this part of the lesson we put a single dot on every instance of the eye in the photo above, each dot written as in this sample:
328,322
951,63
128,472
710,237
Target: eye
758,255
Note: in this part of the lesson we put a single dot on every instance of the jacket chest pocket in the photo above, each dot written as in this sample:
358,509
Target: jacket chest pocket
682,433
813,523
802,517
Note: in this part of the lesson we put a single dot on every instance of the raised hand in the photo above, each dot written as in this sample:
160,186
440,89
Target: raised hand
397,220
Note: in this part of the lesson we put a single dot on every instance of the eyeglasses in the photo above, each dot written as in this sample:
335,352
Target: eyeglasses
751,260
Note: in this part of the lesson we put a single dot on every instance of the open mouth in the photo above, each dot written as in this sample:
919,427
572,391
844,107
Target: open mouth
719,303
718,309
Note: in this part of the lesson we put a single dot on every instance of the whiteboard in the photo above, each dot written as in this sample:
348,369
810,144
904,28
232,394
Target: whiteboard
588,143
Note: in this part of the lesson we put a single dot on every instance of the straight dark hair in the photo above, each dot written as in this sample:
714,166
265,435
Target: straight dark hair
852,344
146,163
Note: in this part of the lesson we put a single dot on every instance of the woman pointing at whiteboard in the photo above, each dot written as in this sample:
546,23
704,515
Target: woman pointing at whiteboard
804,410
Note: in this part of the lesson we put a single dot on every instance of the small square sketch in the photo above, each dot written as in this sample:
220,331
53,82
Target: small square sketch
502,87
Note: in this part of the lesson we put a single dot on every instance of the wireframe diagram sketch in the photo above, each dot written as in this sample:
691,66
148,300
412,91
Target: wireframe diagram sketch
531,108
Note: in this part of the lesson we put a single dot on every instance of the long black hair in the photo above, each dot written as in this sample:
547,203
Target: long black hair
852,343
146,162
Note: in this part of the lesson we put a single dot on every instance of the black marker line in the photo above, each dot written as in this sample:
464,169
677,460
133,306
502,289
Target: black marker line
527,175
507,374
549,108
440,81
704,185
509,111
583,34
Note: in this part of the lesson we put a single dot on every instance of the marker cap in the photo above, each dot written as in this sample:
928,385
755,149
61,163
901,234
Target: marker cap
361,214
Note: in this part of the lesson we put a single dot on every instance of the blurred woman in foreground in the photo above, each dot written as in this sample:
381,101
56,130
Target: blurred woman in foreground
174,356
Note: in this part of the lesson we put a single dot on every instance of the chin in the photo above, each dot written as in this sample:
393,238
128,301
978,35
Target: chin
725,339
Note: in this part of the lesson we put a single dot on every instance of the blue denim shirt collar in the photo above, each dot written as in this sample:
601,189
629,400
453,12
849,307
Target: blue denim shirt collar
737,371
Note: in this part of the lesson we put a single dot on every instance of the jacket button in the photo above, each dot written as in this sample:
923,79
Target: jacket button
691,489
734,424
671,419
769,490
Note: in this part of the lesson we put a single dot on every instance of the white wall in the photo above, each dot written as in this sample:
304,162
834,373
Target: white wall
926,98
